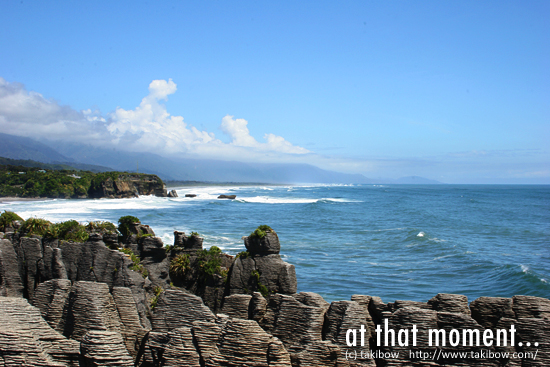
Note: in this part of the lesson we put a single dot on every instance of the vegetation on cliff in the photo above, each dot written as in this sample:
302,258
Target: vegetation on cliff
210,261
7,219
63,182
261,231
137,267
124,224
69,230
179,265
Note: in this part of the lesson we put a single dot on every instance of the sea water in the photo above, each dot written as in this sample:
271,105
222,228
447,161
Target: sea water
398,242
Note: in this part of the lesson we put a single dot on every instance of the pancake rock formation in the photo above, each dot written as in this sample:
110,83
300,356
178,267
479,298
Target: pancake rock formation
132,301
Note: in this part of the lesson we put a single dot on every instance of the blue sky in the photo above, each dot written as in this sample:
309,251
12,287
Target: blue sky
457,91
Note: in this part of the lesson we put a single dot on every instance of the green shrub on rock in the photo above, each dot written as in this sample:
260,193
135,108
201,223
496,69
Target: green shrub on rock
154,300
210,261
37,226
243,254
255,275
124,224
261,231
179,265
7,218
101,227
137,267
69,230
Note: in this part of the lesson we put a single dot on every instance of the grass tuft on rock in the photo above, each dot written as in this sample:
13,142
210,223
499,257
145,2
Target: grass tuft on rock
179,265
37,226
210,261
261,231
154,300
137,267
69,230
124,224
243,255
101,227
8,218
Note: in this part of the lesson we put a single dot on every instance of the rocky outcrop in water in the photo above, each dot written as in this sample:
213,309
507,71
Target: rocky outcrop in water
89,304
230,197
127,185
34,183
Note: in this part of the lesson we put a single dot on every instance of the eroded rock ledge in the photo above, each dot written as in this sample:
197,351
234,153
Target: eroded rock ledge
87,304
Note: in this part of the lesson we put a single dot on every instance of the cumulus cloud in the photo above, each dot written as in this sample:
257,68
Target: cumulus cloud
240,136
147,128
31,115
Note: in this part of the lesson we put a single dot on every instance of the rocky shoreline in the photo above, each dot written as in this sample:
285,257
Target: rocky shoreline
35,183
129,300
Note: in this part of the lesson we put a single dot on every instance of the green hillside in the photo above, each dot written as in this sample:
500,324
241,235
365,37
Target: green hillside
29,179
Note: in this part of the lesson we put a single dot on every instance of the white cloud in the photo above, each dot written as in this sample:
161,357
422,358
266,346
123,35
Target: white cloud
238,131
149,127
240,136
279,144
29,114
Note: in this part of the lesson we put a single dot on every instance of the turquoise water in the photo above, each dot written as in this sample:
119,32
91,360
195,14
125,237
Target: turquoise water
393,241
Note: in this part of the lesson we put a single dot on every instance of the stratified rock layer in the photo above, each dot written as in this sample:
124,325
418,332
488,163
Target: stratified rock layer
94,306
27,339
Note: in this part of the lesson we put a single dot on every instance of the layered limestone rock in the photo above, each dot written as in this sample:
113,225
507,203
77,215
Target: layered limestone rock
226,342
11,284
187,244
237,306
50,298
100,348
26,264
298,322
239,343
206,271
27,339
186,332
135,232
176,308
487,311
93,307
131,328
345,315
76,310
455,303
446,312
262,268
21,348
153,257
174,348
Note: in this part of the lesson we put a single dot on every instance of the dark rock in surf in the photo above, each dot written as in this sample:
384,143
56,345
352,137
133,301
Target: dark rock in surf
227,197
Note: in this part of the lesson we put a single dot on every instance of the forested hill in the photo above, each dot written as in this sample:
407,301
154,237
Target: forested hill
63,181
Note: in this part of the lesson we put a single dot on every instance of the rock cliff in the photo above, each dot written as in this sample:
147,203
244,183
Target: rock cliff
32,183
126,185
131,301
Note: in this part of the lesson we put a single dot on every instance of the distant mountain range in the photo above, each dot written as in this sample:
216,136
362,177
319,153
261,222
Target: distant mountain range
96,159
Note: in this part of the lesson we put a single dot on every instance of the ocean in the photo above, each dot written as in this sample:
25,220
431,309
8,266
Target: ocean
398,242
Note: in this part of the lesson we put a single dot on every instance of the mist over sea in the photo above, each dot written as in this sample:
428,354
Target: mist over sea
392,241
